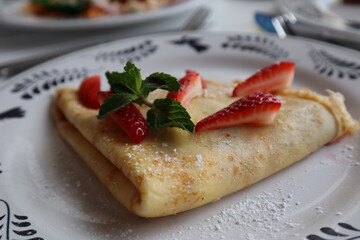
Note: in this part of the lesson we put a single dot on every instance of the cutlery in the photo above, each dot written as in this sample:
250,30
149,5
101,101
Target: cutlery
194,21
286,24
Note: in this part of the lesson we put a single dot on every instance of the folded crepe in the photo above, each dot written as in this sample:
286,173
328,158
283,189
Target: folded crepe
173,170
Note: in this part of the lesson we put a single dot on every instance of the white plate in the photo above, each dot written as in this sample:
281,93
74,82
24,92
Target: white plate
10,14
47,192
330,18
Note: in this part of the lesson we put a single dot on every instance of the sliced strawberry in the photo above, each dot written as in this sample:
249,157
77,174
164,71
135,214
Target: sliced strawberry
203,84
88,90
260,108
101,96
129,118
191,86
272,78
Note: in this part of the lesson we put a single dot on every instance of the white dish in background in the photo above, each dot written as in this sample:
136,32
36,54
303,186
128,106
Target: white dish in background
10,14
330,18
348,12
47,192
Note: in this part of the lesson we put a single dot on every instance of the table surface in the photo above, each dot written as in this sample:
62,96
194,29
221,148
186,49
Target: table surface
226,15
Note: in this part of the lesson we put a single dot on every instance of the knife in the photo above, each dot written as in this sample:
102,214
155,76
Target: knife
287,24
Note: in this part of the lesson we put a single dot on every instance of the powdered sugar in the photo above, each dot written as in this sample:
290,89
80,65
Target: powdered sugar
198,160
263,215
319,210
347,154
256,216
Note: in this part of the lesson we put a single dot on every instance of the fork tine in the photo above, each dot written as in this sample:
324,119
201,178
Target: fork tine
196,19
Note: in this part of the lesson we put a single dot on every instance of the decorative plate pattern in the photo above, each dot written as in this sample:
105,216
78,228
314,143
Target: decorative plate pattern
14,226
47,192
256,44
192,42
346,232
38,82
330,65
15,112
133,53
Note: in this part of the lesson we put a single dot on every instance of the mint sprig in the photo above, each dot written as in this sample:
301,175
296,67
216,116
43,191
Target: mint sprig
162,81
128,87
115,102
169,113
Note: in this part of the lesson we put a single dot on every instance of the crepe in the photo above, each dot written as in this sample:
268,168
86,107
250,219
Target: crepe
173,170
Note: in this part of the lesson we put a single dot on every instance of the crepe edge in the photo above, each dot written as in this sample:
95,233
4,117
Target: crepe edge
335,103
107,173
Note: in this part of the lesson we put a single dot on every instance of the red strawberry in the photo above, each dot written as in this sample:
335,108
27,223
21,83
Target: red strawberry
260,108
192,85
272,78
203,84
88,90
129,118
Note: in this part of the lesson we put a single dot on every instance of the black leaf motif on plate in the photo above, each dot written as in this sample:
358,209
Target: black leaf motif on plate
16,112
348,227
256,44
330,65
347,232
42,81
15,226
192,42
132,54
332,232
4,220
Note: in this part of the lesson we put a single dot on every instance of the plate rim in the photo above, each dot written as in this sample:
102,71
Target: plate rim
298,40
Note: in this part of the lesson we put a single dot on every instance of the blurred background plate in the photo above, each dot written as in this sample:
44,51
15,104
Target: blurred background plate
10,14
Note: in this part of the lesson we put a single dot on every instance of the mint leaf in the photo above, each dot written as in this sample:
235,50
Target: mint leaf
117,82
145,90
128,81
115,102
135,76
129,87
169,113
162,81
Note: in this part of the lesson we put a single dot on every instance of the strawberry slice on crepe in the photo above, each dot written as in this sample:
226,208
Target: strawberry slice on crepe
260,108
88,90
272,78
192,85
129,118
